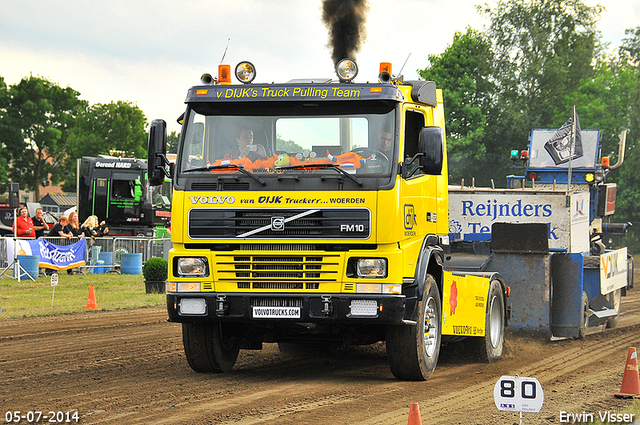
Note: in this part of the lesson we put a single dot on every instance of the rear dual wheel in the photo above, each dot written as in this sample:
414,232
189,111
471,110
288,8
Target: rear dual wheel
489,347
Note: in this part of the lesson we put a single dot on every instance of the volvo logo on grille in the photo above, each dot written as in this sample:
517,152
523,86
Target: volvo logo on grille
277,224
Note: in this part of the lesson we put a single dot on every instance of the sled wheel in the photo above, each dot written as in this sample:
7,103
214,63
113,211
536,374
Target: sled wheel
584,322
615,299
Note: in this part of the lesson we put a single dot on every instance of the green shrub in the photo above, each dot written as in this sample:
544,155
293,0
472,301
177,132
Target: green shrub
155,269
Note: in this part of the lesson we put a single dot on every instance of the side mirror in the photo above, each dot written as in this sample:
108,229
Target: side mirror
432,146
156,154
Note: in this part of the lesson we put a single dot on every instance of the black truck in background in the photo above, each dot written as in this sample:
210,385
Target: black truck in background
116,190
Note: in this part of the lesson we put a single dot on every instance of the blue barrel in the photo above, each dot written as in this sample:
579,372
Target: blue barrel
30,263
98,269
107,260
131,264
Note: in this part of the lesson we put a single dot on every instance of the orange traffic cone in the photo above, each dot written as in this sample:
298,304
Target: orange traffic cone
630,380
414,414
91,302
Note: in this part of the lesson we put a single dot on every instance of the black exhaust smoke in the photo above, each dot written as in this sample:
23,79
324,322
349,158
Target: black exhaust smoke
345,20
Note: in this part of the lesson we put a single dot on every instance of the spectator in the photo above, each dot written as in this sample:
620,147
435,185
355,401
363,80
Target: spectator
103,230
92,229
23,226
39,224
61,228
74,225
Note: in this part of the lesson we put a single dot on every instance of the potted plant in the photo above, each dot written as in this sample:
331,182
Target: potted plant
155,272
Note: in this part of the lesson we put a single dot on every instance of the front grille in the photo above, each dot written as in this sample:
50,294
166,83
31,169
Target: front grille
351,223
291,272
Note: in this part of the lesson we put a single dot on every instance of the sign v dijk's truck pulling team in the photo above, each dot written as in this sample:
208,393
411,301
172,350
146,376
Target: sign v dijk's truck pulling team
316,212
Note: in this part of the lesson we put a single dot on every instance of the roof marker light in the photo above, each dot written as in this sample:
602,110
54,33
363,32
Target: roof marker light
224,74
385,72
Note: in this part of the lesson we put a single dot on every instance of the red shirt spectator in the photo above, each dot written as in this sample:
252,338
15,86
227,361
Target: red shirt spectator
23,227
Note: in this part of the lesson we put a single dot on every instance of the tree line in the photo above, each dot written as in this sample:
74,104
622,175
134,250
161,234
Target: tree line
526,69
45,128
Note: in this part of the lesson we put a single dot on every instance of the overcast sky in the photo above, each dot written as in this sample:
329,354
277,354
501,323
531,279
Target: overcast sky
150,52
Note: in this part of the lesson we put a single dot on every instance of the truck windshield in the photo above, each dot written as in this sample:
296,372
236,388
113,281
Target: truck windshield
278,143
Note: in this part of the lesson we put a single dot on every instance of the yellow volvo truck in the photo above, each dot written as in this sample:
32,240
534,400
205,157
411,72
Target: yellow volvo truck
316,213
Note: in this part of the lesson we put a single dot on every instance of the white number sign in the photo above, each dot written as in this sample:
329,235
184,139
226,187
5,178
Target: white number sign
518,394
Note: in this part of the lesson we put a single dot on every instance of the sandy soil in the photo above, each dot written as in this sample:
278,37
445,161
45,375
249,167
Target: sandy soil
128,367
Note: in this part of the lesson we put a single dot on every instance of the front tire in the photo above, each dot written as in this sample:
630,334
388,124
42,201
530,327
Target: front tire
413,350
210,346
489,348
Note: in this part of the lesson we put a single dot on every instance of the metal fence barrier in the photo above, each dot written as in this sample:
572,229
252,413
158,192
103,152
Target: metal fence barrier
148,247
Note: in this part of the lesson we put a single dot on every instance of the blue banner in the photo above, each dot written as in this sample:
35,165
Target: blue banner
52,256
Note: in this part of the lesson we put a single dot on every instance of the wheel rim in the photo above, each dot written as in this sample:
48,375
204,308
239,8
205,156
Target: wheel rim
430,327
495,322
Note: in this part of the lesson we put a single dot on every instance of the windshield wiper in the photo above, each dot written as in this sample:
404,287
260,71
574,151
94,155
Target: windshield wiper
323,165
238,167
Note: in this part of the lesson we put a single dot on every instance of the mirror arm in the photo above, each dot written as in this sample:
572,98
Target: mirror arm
411,161
165,163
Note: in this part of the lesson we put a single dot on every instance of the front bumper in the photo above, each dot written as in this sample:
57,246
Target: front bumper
389,309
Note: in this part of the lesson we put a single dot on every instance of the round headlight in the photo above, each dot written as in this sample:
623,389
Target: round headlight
245,72
346,70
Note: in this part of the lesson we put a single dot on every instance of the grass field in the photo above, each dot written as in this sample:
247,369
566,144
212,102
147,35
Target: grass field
113,291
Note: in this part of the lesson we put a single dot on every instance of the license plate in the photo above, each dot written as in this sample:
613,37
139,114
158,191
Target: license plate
276,312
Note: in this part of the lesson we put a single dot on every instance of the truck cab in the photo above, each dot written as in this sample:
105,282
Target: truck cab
117,191
314,212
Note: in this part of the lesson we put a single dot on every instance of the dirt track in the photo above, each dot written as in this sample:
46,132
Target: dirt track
128,367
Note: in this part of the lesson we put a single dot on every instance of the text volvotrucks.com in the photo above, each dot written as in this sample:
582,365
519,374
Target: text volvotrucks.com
315,213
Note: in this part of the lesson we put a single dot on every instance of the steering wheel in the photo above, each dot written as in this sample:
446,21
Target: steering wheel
361,152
